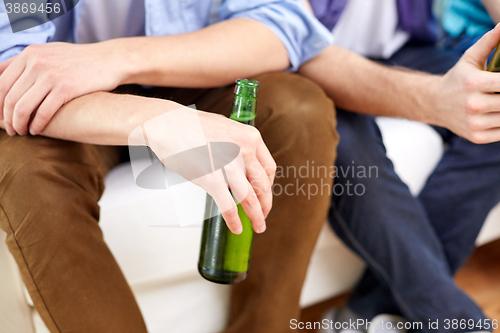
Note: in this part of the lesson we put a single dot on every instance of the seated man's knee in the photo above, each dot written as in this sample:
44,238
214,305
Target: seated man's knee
297,109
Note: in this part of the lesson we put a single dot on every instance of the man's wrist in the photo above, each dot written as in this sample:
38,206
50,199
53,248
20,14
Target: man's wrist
429,99
437,101
126,60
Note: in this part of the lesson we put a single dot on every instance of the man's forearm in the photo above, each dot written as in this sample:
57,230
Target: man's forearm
210,57
55,73
358,84
104,118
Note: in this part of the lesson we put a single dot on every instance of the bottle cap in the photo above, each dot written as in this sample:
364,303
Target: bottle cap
246,88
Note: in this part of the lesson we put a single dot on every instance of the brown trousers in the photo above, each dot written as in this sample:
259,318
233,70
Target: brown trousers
49,191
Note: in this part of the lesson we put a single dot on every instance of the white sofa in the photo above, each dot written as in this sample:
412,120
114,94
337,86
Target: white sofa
159,258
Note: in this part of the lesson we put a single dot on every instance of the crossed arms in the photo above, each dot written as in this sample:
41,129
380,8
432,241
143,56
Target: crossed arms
63,88
66,96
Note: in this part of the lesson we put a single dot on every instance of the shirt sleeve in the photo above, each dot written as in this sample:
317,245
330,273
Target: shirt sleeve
11,44
301,33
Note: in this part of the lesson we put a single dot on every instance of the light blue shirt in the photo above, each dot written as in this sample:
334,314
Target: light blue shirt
466,16
300,32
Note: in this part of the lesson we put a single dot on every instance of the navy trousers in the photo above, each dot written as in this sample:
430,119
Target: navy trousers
413,246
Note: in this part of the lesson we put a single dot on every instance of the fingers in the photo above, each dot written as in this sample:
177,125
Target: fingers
251,187
52,103
30,101
484,137
491,135
267,161
259,180
253,209
483,104
216,186
260,170
230,215
479,52
492,120
5,64
252,190
487,82
7,80
16,92
246,194
484,122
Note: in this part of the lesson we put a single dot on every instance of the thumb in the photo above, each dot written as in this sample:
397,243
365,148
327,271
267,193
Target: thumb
478,53
5,64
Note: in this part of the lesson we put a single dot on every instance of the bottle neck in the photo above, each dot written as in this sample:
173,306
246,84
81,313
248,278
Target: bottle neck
244,109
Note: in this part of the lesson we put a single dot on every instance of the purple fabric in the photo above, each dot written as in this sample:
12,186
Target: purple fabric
328,11
415,17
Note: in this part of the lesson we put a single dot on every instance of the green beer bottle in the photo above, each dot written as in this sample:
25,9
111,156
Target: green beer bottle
224,256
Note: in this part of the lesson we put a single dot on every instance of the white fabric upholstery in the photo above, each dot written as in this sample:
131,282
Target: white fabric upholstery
15,313
415,149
